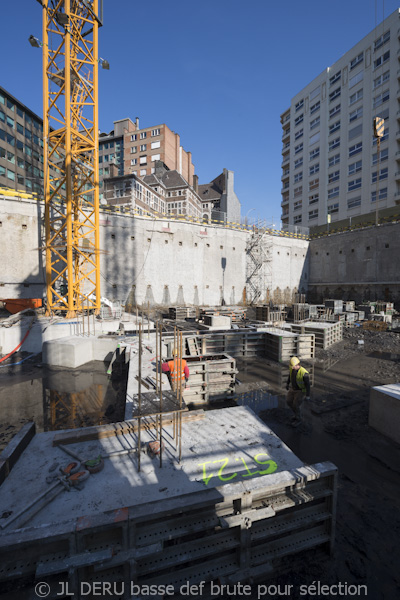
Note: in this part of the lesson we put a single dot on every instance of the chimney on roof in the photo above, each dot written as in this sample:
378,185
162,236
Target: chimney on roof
137,122
196,183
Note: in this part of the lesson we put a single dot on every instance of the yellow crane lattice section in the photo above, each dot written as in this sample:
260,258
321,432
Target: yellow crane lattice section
70,131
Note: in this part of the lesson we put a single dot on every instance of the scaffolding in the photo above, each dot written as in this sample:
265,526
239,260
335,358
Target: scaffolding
70,136
259,266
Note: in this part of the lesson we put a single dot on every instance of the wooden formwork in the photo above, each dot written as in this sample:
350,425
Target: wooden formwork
212,377
235,532
236,313
325,334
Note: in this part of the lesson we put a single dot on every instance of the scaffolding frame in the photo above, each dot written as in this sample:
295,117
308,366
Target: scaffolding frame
71,170
258,266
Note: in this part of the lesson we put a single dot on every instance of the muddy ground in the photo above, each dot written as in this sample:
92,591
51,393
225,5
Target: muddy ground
335,428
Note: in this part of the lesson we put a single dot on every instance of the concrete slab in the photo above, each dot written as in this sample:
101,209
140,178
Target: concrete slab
384,410
228,446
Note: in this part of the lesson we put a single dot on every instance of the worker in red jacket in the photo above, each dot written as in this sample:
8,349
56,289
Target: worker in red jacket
177,370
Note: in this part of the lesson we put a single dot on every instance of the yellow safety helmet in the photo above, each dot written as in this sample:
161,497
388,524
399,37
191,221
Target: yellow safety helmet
175,352
294,361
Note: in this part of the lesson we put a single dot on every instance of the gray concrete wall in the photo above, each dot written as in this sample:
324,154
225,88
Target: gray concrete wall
164,262
357,265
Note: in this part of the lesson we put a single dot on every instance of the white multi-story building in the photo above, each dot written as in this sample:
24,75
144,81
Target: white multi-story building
330,163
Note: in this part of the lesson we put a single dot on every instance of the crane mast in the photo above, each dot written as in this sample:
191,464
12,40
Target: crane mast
71,169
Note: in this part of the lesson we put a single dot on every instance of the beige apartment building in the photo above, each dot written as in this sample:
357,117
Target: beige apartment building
330,166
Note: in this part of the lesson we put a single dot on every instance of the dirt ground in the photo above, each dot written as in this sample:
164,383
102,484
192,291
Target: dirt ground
335,428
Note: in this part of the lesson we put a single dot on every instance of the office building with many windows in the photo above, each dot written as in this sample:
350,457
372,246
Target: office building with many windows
21,146
330,165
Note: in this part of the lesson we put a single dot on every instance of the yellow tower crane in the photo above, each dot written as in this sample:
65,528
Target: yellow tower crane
71,169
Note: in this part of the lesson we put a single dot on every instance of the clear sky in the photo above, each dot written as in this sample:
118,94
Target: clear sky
218,72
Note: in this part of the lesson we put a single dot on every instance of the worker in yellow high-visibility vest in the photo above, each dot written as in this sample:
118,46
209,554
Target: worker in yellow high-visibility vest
298,386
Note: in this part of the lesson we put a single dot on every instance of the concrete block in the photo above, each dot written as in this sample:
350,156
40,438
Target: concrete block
384,410
217,321
68,352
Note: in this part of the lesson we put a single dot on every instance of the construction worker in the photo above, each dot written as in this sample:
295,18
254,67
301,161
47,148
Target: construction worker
298,386
177,370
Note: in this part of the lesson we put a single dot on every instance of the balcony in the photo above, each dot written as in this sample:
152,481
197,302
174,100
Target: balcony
285,160
285,134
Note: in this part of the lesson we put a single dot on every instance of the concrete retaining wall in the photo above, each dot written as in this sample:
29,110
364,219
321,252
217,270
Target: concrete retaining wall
356,265
158,261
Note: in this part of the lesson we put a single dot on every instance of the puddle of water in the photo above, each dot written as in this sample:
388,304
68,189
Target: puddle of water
59,398
385,355
258,400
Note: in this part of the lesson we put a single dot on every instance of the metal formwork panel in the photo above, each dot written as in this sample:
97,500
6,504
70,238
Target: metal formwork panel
232,531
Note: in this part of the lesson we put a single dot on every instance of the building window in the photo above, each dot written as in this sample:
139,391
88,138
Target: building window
334,160
383,174
142,172
315,92
381,98
355,97
314,153
313,214
356,114
299,105
354,202
334,176
155,157
383,155
333,192
385,37
298,163
382,195
155,132
313,184
355,149
11,175
315,123
133,161
133,137
298,119
133,149
335,94
313,199
315,107
143,147
143,135
334,111
383,138
155,145
11,159
381,79
381,60
143,160
298,134
356,61
334,144
355,167
334,127
333,208
356,79
314,169
297,204
297,192
354,184
297,219
298,148
298,177
335,78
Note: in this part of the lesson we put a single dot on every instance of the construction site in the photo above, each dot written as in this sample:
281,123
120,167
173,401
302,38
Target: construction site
148,444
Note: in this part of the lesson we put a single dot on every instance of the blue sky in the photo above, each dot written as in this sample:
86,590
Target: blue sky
218,72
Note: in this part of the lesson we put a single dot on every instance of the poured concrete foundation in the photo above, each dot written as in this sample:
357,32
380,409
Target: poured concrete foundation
237,503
